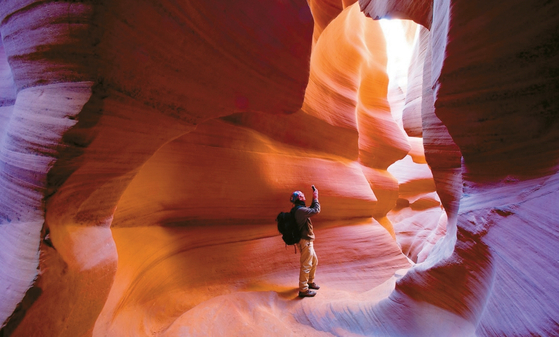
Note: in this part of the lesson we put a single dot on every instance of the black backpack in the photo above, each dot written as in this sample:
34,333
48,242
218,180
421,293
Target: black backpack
287,226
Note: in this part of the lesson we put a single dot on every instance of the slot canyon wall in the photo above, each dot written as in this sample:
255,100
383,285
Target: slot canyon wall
147,146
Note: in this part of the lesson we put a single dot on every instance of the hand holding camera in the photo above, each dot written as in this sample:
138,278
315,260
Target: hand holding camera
314,192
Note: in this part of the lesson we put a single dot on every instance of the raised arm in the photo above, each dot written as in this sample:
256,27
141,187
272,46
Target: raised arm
307,212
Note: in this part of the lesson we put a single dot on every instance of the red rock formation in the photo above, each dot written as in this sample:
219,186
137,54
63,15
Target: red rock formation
504,189
494,213
267,157
112,79
146,147
417,216
418,11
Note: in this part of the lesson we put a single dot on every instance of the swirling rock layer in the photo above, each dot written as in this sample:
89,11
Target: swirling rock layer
147,146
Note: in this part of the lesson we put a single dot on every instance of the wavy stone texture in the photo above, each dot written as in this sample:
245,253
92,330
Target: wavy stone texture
418,11
147,146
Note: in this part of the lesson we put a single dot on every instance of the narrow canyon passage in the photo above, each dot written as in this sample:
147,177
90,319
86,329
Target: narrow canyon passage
193,235
146,148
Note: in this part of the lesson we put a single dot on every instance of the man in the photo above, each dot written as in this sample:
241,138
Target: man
309,261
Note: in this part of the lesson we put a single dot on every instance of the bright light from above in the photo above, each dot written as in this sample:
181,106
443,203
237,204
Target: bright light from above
400,38
399,49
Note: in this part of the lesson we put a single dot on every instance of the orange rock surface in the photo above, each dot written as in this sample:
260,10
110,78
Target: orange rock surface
147,147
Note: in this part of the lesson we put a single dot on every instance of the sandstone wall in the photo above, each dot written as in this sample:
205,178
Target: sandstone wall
147,146
488,95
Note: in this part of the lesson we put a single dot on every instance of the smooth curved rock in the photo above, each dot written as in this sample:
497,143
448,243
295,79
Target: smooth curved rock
411,115
161,286
114,58
420,12
479,257
146,148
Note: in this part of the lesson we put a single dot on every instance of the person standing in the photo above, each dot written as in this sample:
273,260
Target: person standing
309,260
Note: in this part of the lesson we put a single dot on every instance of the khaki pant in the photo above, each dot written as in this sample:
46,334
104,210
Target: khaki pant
309,261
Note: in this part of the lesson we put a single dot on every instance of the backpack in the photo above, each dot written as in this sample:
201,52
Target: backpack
288,228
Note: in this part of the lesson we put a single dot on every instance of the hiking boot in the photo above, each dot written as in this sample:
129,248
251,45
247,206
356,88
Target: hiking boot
308,293
314,286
